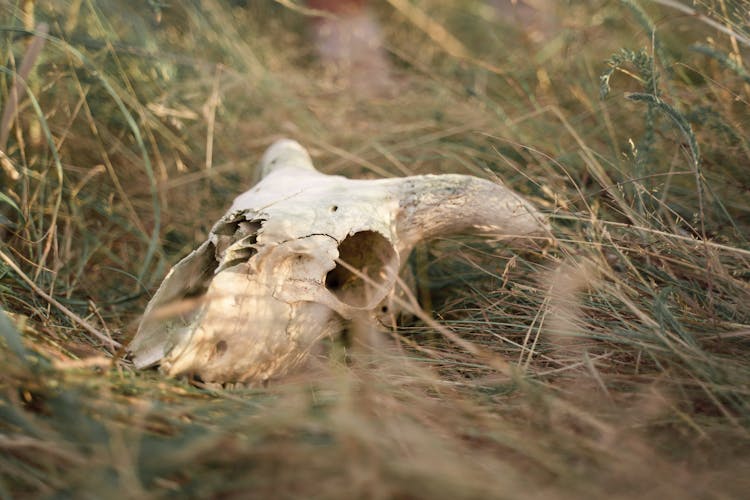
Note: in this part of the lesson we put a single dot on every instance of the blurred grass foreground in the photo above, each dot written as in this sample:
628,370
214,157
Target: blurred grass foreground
614,362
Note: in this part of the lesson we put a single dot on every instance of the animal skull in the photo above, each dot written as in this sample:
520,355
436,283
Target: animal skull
251,302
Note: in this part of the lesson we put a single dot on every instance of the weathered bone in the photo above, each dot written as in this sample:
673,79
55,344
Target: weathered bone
251,302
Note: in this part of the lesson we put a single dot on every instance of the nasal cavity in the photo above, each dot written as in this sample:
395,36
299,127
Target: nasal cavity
365,269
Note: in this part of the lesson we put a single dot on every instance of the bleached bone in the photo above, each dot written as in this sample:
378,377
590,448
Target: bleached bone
251,302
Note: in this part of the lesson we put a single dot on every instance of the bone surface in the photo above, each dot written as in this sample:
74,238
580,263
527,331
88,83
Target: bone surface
301,253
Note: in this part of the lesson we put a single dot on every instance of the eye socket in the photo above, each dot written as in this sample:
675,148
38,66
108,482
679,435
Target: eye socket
374,259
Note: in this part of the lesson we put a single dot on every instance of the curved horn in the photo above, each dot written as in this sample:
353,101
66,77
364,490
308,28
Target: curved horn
284,153
436,205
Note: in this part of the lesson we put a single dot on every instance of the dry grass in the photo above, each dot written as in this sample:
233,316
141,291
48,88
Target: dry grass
615,362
